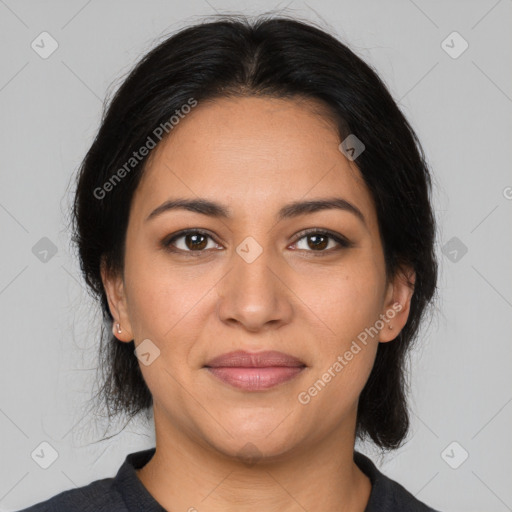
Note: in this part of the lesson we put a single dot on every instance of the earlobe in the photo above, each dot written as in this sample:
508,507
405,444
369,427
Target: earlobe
398,304
114,290
116,328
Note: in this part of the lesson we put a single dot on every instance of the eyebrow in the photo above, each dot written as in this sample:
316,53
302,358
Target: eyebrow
288,211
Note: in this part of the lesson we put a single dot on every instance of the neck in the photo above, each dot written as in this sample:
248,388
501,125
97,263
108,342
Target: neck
186,474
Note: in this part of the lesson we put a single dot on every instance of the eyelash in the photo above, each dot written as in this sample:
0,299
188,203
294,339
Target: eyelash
343,242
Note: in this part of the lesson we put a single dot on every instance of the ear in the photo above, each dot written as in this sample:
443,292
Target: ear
115,291
397,303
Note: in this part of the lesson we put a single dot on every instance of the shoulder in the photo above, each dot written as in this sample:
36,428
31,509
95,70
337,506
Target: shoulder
121,493
386,494
100,495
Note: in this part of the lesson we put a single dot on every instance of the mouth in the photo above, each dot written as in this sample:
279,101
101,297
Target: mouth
255,371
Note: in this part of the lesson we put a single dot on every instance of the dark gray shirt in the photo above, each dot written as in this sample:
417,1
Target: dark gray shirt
126,493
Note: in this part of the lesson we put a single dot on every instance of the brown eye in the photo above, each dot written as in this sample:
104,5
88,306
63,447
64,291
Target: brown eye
192,240
195,241
319,240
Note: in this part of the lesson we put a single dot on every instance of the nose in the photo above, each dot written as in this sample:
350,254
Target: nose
254,294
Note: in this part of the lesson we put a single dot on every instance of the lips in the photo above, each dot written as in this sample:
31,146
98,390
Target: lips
255,371
244,359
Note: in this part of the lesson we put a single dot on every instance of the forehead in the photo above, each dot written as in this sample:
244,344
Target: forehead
252,152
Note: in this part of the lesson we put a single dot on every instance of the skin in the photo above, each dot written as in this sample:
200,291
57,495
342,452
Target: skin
254,155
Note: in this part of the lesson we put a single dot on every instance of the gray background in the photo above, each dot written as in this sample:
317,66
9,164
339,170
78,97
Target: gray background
461,109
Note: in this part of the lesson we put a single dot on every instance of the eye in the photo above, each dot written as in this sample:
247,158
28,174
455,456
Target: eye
318,240
189,240
196,241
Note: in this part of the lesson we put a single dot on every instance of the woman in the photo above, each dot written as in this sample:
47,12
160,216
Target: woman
254,218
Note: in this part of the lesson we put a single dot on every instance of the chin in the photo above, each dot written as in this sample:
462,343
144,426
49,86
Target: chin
256,443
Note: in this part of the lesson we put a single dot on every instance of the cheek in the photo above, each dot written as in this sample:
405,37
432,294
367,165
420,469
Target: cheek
344,312
168,304
164,307
345,301
345,351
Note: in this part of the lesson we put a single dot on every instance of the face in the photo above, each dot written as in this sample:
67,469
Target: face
305,282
